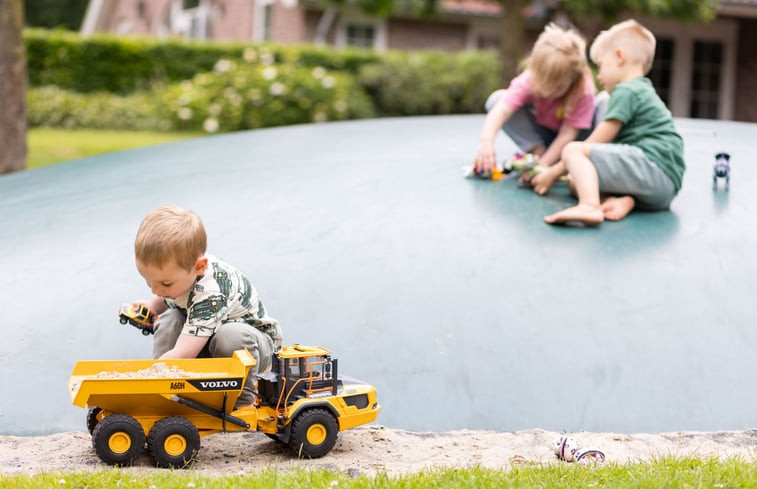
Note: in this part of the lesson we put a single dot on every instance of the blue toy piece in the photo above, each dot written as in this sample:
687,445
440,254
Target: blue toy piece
722,169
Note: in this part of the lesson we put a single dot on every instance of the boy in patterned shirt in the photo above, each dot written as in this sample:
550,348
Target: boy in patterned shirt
206,307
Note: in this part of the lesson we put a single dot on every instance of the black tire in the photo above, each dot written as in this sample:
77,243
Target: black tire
313,433
123,320
173,442
118,439
92,420
146,332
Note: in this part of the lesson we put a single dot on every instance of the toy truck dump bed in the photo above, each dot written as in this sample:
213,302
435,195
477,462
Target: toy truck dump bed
173,401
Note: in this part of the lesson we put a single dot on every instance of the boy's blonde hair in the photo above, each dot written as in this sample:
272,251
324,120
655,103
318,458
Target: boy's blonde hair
170,233
635,39
559,55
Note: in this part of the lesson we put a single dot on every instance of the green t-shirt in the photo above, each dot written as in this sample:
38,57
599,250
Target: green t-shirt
648,125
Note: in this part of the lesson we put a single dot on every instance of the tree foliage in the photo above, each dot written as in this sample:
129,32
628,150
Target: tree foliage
676,9
512,23
68,14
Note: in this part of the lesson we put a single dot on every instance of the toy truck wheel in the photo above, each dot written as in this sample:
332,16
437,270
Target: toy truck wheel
123,320
173,442
92,420
145,332
313,433
118,439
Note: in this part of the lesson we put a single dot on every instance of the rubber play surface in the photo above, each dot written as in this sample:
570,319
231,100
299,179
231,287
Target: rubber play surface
450,295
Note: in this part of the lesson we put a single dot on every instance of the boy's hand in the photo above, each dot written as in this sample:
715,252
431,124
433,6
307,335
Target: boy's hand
155,303
542,182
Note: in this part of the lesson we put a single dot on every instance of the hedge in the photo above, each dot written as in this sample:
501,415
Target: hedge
139,83
235,96
239,95
125,64
55,107
431,83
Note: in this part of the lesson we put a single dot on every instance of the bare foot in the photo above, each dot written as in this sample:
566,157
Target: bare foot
582,213
616,208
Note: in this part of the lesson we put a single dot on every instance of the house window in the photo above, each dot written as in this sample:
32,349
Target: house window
360,35
705,80
267,21
662,68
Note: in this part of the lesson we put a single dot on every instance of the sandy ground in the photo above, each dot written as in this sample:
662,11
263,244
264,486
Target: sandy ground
371,449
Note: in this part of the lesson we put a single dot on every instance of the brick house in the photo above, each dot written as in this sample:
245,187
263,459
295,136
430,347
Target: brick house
706,70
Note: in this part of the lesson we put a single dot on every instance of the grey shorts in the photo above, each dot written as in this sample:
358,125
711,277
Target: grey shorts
626,170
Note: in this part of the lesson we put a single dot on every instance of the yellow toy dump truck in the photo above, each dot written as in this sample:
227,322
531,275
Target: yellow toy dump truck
170,404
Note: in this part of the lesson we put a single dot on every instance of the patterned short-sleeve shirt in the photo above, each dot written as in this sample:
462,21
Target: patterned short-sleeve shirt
221,295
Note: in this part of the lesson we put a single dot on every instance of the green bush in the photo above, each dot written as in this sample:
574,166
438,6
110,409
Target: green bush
431,82
236,96
54,107
125,64
240,95
173,84
114,64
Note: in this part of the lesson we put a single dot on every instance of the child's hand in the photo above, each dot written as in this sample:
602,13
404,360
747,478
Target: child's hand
155,303
485,158
542,182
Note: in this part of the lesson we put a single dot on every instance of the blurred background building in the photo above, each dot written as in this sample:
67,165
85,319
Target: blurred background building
702,69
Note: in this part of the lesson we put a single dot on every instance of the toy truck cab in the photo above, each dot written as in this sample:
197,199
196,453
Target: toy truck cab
302,401
302,372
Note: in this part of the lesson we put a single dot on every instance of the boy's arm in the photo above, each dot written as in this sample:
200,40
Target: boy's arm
187,346
495,119
605,131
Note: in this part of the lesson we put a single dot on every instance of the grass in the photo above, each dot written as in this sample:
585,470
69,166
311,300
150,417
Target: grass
664,472
48,146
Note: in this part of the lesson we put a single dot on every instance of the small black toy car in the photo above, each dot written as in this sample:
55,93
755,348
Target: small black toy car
722,169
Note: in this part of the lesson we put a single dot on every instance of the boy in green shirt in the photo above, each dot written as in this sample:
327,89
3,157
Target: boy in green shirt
634,158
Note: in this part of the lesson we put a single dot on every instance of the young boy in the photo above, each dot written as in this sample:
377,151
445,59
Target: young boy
206,307
642,166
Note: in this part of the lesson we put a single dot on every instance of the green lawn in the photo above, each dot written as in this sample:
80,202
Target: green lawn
48,146
665,472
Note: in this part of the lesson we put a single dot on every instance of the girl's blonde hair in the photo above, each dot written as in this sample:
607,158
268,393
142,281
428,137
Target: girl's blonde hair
637,41
170,233
559,58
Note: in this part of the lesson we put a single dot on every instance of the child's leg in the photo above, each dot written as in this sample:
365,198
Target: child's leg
167,330
586,182
233,336
522,128
630,179
616,208
526,133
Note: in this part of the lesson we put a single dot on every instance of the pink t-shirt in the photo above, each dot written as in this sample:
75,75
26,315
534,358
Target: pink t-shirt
550,112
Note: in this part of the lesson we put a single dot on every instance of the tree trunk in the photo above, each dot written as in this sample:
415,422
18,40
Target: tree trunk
12,87
512,38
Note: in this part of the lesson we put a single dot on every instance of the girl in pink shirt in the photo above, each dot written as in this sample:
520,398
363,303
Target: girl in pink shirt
547,106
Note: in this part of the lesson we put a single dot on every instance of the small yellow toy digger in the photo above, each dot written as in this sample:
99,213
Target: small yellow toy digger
170,404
